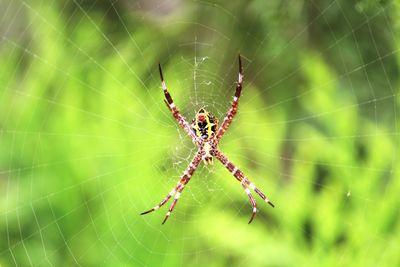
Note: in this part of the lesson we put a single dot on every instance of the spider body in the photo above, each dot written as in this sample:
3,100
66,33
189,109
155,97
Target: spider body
206,134
204,125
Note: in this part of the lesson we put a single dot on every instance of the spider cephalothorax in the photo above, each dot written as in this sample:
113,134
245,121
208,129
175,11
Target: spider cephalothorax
205,134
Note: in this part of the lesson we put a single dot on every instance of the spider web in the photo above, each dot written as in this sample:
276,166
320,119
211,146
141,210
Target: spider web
87,143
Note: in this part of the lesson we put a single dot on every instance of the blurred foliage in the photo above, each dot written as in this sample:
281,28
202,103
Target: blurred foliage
87,144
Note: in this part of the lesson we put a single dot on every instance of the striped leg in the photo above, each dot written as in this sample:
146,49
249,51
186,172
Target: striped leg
184,181
258,191
232,111
253,202
165,200
179,187
239,175
178,194
175,112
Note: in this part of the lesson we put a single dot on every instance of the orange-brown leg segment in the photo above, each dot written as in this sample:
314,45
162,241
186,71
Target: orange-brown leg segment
239,175
177,190
233,110
175,112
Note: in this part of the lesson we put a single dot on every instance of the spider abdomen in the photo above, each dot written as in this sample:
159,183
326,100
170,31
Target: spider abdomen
205,125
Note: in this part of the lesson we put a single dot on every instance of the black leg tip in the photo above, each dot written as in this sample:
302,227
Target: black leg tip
251,219
160,70
143,213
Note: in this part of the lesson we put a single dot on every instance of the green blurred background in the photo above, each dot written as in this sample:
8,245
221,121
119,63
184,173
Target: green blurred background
86,142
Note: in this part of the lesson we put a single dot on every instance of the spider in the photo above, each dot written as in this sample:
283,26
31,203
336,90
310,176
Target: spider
206,135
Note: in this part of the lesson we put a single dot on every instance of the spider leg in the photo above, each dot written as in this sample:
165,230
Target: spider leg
239,175
165,200
178,194
232,111
177,190
184,181
175,112
252,200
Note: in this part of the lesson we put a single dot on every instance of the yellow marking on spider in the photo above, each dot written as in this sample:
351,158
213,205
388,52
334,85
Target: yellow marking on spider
208,126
